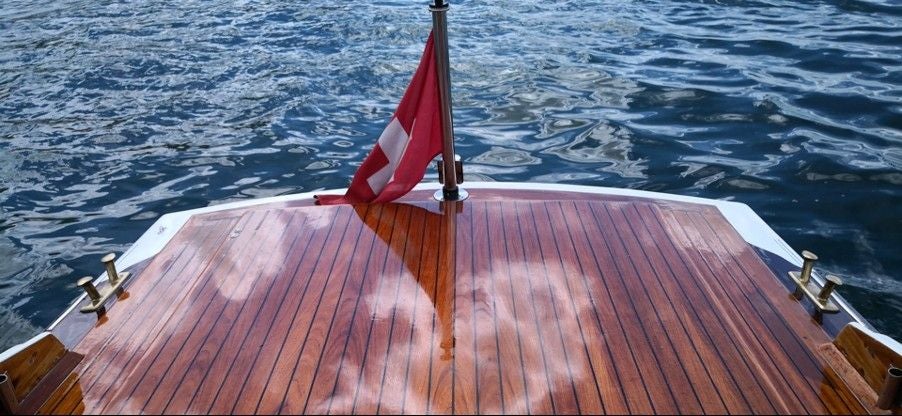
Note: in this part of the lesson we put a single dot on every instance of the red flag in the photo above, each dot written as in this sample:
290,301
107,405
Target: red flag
405,148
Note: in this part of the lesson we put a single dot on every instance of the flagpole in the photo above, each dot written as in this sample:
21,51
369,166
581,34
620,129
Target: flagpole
450,191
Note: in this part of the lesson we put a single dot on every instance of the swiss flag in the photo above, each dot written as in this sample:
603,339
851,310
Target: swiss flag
405,148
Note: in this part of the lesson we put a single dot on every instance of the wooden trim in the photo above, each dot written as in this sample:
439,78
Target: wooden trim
868,357
29,366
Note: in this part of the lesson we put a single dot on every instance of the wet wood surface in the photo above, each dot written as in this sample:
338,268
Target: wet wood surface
580,305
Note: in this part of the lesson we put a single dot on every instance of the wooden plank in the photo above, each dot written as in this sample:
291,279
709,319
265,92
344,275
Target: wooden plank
317,320
539,389
72,399
584,379
608,326
164,353
665,357
329,367
465,387
329,228
749,332
255,325
629,315
50,384
54,399
558,369
441,346
387,257
395,385
424,340
209,332
199,365
871,358
673,315
487,348
738,386
514,381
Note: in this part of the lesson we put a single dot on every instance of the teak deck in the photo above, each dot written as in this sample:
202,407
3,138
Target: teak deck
594,305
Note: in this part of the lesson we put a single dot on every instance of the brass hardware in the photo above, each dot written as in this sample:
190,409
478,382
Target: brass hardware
87,283
98,299
111,267
831,283
891,394
458,168
805,276
807,265
9,404
805,286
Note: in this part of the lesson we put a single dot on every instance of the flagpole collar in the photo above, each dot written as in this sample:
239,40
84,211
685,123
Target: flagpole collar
462,194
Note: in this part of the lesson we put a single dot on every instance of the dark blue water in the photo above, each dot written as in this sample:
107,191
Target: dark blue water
113,113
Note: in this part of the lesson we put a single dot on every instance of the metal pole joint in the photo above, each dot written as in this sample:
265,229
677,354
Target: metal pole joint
450,191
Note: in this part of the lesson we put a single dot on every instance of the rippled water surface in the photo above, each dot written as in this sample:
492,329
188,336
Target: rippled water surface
114,113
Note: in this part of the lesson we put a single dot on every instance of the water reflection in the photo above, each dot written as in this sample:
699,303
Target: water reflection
112,114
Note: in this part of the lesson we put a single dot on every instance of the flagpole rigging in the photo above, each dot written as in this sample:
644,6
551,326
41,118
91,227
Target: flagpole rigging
450,190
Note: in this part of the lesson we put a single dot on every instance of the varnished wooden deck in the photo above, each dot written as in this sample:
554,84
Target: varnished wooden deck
569,306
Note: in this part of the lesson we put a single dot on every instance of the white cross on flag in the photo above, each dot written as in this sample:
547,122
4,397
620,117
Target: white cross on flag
407,145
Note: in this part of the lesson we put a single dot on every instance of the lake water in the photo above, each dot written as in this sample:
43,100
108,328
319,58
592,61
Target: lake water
114,113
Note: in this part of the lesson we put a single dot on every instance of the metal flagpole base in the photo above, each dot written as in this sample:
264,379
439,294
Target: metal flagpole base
462,194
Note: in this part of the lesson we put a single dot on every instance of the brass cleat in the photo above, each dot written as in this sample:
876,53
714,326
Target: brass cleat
805,276
111,267
805,286
98,299
832,283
